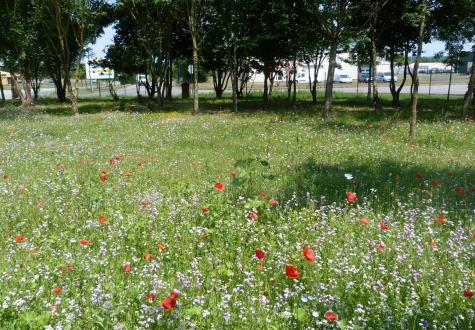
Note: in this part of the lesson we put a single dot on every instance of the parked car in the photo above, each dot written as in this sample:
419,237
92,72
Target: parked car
301,77
436,70
385,77
364,77
342,78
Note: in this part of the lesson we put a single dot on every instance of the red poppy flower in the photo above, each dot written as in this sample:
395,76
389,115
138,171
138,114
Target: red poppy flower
468,294
263,195
70,266
146,202
450,174
419,176
147,256
204,209
461,191
112,161
5,177
379,247
104,171
309,254
435,182
150,296
384,226
232,173
127,268
253,216
84,242
219,186
351,197
441,219
20,238
103,178
57,290
161,246
128,174
330,316
260,254
175,294
364,221
168,303
472,190
273,202
102,219
139,165
370,125
292,272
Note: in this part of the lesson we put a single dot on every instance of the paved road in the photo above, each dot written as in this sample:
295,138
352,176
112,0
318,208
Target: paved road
131,90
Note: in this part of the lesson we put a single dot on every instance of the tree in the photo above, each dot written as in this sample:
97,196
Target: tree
334,18
399,38
20,30
195,16
66,26
455,22
421,16
146,35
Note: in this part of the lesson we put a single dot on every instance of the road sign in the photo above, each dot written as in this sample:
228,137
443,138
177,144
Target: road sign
96,72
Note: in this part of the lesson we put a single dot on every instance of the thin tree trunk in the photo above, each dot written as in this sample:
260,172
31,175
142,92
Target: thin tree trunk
266,90
196,102
294,81
370,75
470,89
376,99
235,79
327,114
450,83
1,89
420,41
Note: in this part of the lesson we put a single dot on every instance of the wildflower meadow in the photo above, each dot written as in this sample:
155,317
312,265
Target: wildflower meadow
266,220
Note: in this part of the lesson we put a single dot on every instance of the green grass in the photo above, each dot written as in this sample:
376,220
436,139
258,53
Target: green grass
169,162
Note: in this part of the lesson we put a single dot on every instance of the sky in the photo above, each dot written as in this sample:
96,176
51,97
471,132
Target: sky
108,36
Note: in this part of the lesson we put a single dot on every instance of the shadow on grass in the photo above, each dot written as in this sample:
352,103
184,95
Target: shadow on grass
347,107
313,184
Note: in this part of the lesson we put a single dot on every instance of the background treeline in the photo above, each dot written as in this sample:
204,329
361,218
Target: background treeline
229,39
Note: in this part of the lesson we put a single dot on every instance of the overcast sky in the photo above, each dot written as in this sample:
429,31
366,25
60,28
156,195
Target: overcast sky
107,39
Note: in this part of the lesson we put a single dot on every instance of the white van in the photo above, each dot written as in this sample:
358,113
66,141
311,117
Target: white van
342,78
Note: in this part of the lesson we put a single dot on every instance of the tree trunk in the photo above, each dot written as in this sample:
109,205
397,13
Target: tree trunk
60,90
396,92
450,83
370,76
1,89
415,94
235,79
170,80
27,101
294,81
329,83
376,99
470,89
196,102
266,88
73,99
25,98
